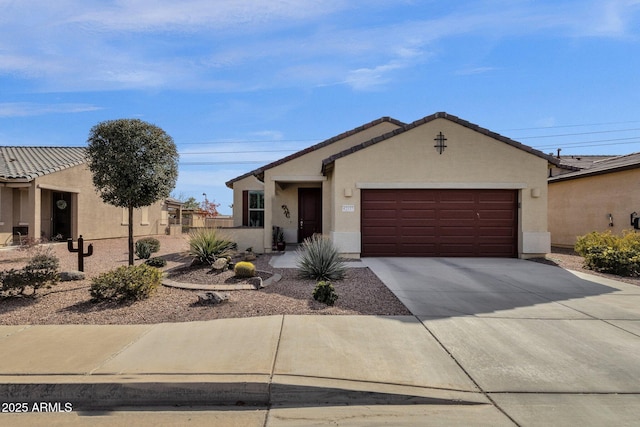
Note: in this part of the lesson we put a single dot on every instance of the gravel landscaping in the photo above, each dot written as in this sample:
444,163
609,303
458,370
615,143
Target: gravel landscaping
361,293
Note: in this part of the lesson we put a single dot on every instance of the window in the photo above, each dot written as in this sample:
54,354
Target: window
253,208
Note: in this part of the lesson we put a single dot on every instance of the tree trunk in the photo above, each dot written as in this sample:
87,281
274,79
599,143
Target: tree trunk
131,235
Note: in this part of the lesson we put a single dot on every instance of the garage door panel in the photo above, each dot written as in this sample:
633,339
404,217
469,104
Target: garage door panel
493,196
412,222
380,232
380,214
496,213
496,232
417,213
458,196
458,214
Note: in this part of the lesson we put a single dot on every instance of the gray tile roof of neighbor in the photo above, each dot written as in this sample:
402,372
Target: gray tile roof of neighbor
599,167
28,163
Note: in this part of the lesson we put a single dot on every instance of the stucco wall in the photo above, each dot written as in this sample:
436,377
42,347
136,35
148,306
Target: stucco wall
91,217
471,160
6,215
281,184
580,206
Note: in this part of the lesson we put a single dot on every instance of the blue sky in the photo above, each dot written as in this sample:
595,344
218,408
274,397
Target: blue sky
240,83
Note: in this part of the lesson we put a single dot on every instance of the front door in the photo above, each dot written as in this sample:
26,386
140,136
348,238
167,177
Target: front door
309,212
61,216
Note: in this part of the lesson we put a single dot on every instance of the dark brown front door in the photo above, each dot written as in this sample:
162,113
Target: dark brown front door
439,223
61,216
309,212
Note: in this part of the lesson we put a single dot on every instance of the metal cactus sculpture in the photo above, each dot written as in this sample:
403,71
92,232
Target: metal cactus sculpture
80,251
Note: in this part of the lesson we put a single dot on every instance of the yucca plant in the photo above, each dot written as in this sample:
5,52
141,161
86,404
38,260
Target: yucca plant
318,259
206,245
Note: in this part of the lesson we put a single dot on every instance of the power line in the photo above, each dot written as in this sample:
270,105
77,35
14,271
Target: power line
587,146
230,162
633,139
572,126
237,152
249,141
576,134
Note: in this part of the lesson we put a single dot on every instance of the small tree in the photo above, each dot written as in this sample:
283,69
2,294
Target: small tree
210,209
190,203
134,164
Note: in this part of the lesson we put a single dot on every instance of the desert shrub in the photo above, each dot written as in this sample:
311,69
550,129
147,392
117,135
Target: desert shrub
595,239
130,283
325,292
318,259
206,245
154,244
41,271
244,269
609,253
156,262
143,250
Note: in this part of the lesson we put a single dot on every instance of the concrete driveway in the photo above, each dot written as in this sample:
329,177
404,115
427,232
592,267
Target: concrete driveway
546,345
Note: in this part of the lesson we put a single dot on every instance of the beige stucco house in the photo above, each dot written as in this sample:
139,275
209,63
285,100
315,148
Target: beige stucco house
439,186
601,196
48,192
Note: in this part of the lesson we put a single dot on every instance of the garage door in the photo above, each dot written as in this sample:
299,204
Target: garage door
444,223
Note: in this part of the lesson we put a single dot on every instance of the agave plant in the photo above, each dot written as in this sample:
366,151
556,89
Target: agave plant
318,259
206,245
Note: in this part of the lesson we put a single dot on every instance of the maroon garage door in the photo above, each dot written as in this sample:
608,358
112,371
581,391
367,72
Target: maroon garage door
439,223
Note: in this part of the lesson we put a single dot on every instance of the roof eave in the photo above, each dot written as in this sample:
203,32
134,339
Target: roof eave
588,172
441,115
259,173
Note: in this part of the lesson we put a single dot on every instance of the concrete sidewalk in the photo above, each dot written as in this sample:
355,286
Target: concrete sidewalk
491,343
284,363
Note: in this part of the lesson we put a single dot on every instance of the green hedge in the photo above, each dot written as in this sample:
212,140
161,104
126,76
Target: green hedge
130,283
609,253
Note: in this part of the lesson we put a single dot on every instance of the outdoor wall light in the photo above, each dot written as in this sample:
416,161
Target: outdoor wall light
535,193
635,220
440,145
610,220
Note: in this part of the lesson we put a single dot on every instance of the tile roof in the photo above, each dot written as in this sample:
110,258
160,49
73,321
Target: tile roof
260,171
27,163
582,161
599,167
441,115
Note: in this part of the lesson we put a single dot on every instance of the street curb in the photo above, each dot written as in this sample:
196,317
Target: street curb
108,391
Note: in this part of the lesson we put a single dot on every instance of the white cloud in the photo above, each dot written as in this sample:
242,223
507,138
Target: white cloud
546,122
371,78
475,70
246,45
188,15
23,109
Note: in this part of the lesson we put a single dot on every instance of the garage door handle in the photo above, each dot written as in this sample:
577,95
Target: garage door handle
478,215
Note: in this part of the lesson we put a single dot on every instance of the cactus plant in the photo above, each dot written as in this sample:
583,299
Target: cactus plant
325,292
244,269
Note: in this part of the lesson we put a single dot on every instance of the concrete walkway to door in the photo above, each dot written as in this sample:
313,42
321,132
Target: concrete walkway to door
540,341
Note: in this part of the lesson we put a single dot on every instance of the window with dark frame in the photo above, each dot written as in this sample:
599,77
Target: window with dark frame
255,208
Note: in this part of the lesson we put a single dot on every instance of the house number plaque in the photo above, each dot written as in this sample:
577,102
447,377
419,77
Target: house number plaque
348,208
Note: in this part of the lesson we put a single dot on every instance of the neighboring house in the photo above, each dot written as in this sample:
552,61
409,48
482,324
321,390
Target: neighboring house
440,186
48,192
197,218
599,198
